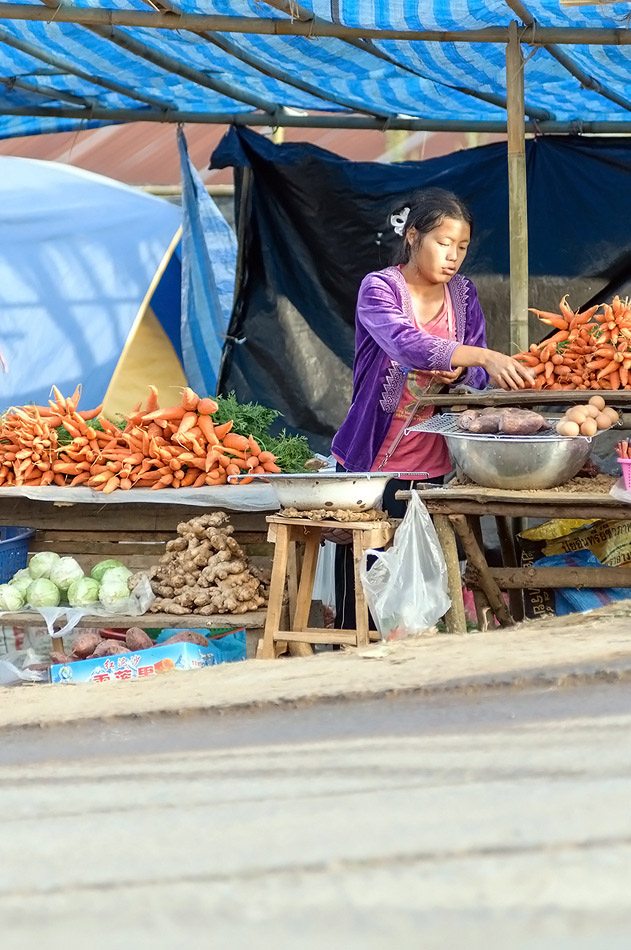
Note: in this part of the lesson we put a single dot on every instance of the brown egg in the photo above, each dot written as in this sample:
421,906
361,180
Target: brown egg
589,428
591,411
597,401
603,420
612,413
577,414
568,428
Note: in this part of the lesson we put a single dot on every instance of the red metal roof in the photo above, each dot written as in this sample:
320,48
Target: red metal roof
143,153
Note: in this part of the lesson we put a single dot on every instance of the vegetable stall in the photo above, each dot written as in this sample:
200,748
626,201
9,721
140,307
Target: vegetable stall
108,501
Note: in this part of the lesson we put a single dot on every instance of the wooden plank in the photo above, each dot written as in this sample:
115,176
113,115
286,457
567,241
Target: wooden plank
360,545
476,558
455,619
531,511
277,590
527,398
535,577
310,523
300,618
317,636
100,548
254,618
492,495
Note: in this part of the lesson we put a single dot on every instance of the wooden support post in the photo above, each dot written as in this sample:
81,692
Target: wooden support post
483,610
276,591
476,559
517,192
506,535
455,619
361,606
299,618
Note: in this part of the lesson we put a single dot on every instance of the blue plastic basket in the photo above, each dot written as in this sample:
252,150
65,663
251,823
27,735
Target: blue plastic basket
14,544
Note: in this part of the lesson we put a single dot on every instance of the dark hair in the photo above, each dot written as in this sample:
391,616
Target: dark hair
427,210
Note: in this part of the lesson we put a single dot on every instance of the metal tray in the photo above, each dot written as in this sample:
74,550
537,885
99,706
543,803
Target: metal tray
446,424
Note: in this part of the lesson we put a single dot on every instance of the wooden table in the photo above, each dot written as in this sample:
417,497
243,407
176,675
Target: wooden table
135,533
285,533
456,513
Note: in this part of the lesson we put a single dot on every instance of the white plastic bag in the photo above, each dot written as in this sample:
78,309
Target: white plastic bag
324,582
406,587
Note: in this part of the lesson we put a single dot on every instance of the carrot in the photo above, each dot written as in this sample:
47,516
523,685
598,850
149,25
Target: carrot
565,308
152,401
190,477
173,413
190,399
233,469
271,467
200,480
611,367
188,421
223,430
207,406
163,482
551,318
614,380
207,429
233,441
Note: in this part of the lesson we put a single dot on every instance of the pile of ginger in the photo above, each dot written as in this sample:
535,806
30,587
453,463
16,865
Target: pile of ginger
204,571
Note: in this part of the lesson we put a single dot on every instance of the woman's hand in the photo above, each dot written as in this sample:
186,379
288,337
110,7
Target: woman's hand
506,372
448,378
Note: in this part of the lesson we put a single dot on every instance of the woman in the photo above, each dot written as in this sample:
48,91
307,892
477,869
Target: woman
419,327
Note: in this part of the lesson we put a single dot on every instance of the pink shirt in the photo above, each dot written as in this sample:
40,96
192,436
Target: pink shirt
419,451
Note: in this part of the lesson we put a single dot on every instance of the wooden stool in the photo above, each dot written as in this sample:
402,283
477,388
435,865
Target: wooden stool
285,533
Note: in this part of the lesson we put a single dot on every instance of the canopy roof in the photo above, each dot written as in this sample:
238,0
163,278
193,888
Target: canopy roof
128,60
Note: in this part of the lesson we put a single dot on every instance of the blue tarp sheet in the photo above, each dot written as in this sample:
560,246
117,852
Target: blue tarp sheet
62,65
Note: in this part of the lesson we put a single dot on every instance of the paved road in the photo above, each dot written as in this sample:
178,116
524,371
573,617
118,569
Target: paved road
495,821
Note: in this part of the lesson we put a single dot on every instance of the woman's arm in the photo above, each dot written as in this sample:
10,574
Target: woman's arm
503,370
381,314
475,335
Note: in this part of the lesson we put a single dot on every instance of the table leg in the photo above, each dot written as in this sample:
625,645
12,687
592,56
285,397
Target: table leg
276,592
361,607
58,644
506,534
478,562
300,617
455,619
483,610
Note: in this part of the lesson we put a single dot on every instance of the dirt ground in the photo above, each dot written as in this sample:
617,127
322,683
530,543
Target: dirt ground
555,651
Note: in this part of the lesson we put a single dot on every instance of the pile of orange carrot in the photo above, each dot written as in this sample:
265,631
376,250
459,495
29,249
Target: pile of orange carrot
590,350
156,448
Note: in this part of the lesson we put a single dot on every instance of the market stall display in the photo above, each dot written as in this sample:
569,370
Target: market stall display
590,350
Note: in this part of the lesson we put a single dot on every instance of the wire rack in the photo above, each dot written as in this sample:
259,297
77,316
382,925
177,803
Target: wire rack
446,424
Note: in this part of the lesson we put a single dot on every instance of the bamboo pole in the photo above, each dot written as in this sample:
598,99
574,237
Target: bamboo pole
149,19
517,196
313,121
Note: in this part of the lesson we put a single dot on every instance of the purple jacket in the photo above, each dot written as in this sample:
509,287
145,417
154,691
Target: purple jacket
387,346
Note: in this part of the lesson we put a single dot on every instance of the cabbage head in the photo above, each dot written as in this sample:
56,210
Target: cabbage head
121,573
11,597
43,593
21,580
41,564
99,569
83,592
114,588
64,572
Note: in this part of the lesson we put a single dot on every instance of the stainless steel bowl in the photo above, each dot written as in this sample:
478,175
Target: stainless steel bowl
510,463
355,491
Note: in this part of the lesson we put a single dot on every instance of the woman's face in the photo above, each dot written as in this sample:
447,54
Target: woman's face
442,250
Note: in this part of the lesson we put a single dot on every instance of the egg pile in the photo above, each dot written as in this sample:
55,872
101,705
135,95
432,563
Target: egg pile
588,419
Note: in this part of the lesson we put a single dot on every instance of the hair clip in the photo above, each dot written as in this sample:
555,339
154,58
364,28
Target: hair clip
398,220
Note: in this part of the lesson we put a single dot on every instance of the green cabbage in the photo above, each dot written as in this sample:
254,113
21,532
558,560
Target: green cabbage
114,588
65,572
99,569
21,581
83,592
121,573
11,598
40,564
43,593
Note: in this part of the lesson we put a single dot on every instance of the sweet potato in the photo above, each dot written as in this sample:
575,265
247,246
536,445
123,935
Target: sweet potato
188,636
137,639
57,657
109,648
85,645
521,422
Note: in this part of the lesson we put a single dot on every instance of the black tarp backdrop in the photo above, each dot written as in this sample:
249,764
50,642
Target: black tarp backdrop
316,223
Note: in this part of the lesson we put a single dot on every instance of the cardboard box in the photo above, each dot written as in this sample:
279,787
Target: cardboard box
154,661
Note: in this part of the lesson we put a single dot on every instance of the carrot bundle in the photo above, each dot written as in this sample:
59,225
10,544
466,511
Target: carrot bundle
156,448
624,450
590,350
